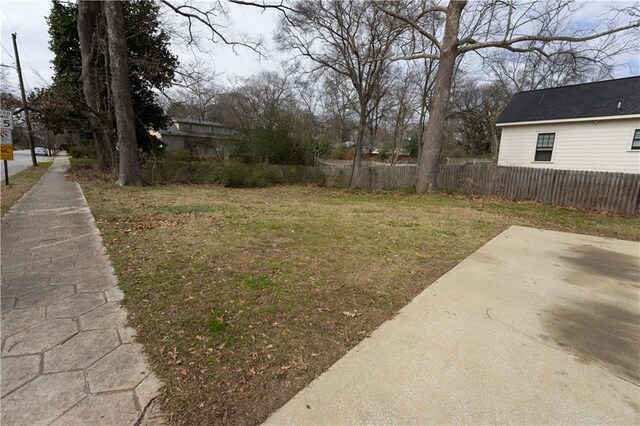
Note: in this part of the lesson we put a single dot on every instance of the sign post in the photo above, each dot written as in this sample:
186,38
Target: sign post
6,140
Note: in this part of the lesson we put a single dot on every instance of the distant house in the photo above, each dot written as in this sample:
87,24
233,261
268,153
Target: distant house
207,138
591,126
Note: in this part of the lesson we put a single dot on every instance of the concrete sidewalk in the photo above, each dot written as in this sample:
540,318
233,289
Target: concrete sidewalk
536,327
67,355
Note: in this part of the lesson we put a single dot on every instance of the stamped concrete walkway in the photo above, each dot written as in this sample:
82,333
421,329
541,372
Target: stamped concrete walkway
536,327
67,356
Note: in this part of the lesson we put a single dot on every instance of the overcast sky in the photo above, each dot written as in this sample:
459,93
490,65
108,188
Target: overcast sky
27,19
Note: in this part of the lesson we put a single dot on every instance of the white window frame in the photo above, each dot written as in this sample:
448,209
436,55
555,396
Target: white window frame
633,134
553,149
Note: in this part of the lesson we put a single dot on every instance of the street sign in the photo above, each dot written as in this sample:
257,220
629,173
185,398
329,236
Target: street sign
6,119
6,139
6,152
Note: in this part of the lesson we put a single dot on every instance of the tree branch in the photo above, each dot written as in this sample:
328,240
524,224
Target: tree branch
194,14
508,44
413,23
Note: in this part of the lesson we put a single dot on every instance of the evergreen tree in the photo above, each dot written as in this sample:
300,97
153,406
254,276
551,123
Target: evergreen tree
61,106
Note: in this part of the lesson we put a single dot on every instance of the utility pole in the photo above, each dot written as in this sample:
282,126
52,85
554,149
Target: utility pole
27,118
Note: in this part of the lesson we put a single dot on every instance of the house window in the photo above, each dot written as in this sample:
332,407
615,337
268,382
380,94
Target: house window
635,144
544,146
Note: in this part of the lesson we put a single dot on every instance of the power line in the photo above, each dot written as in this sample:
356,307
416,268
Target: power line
8,53
24,52
26,57
8,19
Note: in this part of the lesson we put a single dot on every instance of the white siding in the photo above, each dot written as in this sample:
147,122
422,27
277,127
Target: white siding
588,145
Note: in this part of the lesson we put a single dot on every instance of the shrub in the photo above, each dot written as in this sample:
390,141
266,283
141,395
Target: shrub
83,151
182,168
265,175
234,174
384,152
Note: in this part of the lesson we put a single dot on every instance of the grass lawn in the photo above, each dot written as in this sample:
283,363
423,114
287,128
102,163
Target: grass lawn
20,183
243,296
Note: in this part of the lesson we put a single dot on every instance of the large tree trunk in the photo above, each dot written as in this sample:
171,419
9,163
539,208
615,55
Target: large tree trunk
433,135
87,13
129,170
357,158
495,142
424,106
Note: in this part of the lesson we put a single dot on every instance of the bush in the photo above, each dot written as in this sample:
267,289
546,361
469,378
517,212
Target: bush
384,152
82,163
179,168
234,174
265,174
181,154
341,152
82,151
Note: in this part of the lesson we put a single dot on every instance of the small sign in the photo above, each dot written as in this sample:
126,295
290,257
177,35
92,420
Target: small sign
6,119
6,137
6,152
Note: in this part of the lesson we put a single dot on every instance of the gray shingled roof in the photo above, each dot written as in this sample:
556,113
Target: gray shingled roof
192,121
599,99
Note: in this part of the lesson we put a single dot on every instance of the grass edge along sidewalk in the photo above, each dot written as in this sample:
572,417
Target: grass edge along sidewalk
20,184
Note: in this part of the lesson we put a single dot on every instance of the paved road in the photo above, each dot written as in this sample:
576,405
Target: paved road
67,355
21,160
536,327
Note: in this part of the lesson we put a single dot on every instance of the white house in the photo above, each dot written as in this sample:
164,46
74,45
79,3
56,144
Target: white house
591,126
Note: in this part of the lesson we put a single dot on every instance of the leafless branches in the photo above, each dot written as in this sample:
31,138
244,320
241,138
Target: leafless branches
345,38
546,30
212,17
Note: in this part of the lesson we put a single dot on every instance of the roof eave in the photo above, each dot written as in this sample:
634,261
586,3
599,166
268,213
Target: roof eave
569,120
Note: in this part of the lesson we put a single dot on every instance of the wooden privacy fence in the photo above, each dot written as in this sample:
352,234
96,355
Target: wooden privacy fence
389,177
604,191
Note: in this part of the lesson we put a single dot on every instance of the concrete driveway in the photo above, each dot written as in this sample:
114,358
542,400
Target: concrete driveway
534,327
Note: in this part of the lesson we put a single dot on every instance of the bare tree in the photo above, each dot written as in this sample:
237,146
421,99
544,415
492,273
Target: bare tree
427,68
346,38
474,109
526,26
268,112
129,172
339,108
516,72
194,92
257,101
403,108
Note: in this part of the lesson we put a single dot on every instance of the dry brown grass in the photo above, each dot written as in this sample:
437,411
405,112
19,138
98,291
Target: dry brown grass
20,183
243,296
